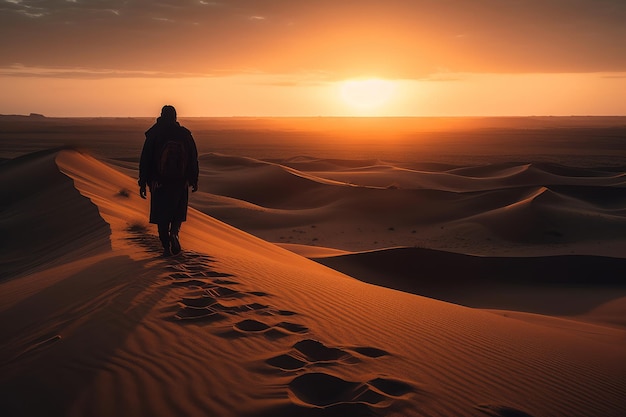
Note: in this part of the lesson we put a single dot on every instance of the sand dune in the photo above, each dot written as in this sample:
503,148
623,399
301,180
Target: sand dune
501,209
565,285
237,326
455,179
35,231
454,198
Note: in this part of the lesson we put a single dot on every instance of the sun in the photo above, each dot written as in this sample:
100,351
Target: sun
366,94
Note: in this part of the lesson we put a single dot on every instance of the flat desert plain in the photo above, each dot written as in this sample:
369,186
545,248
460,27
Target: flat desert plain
330,268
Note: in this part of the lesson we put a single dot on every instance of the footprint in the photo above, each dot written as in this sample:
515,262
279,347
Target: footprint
322,390
257,307
286,313
277,331
259,293
143,239
286,362
501,411
224,282
293,327
194,260
251,326
309,352
177,268
191,283
198,302
204,305
218,291
391,387
370,352
271,312
197,270
194,267
196,314
231,309
203,274
196,255
316,351
212,274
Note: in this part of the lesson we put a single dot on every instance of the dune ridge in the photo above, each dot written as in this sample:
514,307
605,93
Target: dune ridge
237,326
39,204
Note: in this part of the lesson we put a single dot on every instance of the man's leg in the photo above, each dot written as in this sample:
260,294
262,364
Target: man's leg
164,237
175,228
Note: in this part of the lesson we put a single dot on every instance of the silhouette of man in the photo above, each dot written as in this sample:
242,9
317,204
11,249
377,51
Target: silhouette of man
168,166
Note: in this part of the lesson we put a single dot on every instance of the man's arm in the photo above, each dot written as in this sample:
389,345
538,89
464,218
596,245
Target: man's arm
194,169
145,166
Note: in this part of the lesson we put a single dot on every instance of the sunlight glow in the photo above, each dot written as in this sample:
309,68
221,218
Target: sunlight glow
367,94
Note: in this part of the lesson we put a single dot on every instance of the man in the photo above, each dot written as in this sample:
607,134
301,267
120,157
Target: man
168,166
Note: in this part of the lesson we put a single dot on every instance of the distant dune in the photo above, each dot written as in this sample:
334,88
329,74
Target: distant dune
500,209
93,322
565,285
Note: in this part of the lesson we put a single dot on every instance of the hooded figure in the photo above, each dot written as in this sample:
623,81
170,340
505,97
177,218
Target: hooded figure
168,167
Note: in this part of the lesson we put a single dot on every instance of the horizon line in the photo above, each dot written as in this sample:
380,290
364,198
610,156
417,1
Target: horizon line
43,116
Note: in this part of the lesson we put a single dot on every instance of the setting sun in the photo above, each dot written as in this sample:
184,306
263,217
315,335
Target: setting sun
327,58
366,94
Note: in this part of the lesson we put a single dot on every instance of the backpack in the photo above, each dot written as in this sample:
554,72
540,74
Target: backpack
172,161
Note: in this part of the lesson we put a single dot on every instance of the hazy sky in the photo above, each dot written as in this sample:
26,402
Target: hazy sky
286,57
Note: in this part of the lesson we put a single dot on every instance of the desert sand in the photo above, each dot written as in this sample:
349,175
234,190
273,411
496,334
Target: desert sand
314,285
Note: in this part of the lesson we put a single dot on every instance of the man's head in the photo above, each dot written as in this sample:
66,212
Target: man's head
168,113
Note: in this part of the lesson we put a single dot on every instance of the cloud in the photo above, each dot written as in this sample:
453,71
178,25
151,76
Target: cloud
18,70
396,38
31,14
24,8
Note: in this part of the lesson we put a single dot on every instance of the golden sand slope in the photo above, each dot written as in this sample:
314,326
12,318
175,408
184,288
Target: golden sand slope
239,327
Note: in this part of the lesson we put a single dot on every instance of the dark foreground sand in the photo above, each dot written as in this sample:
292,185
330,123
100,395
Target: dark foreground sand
527,257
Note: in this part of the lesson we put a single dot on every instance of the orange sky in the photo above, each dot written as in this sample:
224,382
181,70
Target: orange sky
289,58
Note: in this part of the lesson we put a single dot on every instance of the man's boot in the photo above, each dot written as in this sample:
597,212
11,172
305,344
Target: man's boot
165,240
174,242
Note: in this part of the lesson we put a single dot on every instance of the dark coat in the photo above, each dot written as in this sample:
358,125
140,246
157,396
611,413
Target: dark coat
169,198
